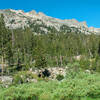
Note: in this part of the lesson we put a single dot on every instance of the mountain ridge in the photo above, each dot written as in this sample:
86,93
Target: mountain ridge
19,19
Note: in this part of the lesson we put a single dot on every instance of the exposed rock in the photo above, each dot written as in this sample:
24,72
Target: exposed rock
33,80
41,14
51,72
77,57
23,19
6,80
33,12
88,71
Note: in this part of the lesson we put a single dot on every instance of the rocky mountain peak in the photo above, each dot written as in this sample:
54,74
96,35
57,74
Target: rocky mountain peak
20,19
41,14
16,11
72,20
33,12
84,23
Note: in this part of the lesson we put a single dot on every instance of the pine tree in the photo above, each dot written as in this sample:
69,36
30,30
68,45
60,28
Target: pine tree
5,40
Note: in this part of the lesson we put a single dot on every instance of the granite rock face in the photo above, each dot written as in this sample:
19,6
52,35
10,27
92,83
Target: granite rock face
19,19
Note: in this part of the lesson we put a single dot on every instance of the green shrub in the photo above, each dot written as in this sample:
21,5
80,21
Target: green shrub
84,64
0,82
60,77
23,77
40,61
84,86
45,96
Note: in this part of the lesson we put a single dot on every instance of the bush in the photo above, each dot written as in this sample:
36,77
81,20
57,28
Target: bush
0,82
60,77
40,62
45,96
84,64
23,77
84,86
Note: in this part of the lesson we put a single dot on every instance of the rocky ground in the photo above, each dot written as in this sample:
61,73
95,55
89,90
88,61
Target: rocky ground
51,73
54,71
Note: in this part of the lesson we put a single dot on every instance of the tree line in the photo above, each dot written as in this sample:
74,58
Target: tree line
22,49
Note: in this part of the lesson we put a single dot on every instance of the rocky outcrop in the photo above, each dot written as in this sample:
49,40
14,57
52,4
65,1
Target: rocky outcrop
6,80
54,71
20,19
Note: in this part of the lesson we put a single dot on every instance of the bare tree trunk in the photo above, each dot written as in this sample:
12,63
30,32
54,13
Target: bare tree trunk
61,60
56,61
2,65
12,38
90,53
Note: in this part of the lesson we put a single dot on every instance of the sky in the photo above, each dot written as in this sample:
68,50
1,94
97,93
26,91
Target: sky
81,10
